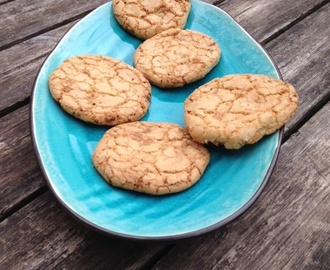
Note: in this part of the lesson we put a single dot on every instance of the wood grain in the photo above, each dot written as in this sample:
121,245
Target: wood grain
43,236
20,55
21,64
20,174
303,56
4,1
284,228
21,19
269,17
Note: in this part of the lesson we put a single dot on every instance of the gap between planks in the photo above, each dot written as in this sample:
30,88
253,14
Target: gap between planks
14,107
31,197
6,2
45,30
308,115
294,22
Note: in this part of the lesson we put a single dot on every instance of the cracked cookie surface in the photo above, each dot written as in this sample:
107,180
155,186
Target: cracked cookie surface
239,109
146,18
100,90
177,57
154,158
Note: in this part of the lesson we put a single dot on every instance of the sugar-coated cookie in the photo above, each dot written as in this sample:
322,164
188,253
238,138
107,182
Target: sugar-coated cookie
239,109
100,90
146,18
154,158
176,57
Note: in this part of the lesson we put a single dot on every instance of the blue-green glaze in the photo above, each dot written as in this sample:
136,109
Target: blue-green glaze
64,145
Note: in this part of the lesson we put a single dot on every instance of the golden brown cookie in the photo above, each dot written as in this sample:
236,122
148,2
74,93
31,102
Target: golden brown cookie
146,18
239,109
154,158
176,57
100,90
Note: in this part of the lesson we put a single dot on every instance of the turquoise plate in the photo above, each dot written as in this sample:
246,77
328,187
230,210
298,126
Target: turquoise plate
64,145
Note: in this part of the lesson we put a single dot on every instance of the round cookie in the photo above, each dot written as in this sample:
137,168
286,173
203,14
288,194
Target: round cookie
154,158
100,90
239,109
176,57
146,18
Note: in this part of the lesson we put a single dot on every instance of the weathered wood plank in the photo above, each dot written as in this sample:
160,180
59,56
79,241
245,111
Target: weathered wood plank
21,64
43,236
21,19
289,225
303,57
269,17
28,51
20,175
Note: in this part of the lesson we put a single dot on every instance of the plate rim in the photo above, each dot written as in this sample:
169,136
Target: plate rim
171,237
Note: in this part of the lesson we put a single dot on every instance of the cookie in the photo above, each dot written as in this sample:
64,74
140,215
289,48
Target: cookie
146,18
239,109
100,90
153,158
176,57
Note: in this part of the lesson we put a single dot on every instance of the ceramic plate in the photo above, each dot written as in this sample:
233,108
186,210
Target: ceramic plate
64,145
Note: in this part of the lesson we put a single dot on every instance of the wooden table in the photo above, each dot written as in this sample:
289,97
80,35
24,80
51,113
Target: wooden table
287,228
